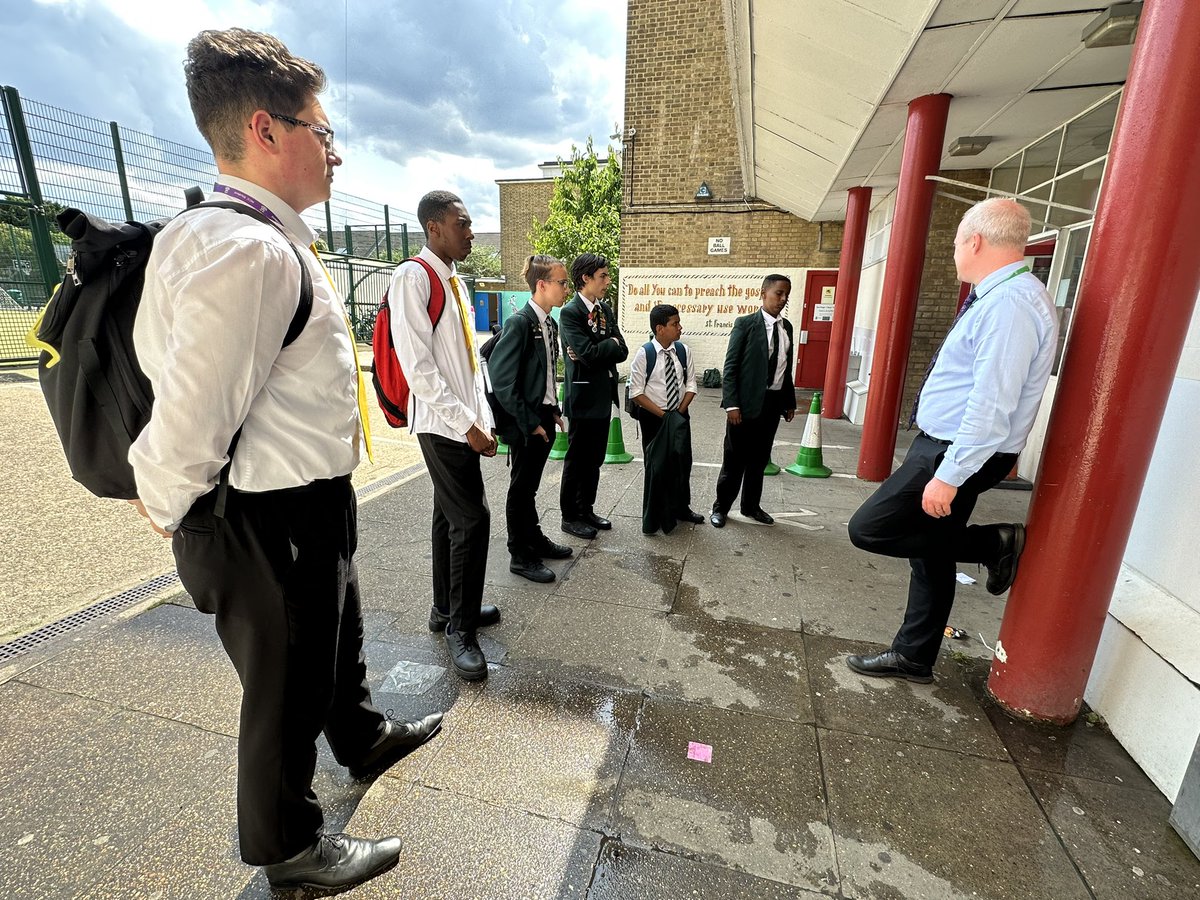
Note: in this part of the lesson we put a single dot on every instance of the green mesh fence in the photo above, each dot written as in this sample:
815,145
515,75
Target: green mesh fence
117,173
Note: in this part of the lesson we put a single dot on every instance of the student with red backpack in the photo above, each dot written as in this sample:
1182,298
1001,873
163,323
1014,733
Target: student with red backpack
448,411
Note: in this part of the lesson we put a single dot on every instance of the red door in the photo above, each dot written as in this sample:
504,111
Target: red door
812,343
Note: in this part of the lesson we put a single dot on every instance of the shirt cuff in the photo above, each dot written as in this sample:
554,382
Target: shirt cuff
952,473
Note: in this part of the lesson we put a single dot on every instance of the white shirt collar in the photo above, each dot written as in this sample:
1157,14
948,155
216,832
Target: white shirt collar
541,313
440,267
770,319
588,303
289,217
660,347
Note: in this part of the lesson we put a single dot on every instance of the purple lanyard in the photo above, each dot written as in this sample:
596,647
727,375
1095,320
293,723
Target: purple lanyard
257,205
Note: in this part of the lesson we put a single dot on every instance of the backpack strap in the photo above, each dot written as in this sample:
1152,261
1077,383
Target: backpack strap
651,357
681,352
437,293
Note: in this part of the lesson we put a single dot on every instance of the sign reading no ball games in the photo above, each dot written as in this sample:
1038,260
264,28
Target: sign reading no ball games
718,246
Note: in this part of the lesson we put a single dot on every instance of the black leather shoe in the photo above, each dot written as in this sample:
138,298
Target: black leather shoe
717,518
690,516
890,664
596,521
547,549
1004,572
759,516
465,656
488,615
335,861
579,529
399,739
533,569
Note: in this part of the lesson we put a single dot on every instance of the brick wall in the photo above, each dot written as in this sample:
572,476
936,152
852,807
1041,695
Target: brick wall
520,203
937,302
679,99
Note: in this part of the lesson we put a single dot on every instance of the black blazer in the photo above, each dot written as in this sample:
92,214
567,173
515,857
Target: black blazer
591,382
745,376
517,369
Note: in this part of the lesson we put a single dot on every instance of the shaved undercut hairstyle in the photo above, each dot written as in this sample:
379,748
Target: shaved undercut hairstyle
537,268
231,74
433,207
771,279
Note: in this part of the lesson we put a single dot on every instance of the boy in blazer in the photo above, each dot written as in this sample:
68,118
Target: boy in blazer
758,390
523,369
592,345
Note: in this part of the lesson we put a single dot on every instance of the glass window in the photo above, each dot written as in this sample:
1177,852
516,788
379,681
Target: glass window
1037,211
1004,176
1088,136
1080,188
1068,286
1041,159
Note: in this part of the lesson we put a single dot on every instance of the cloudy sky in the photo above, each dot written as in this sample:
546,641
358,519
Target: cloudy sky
423,95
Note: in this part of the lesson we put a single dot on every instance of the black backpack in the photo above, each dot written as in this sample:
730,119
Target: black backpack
98,396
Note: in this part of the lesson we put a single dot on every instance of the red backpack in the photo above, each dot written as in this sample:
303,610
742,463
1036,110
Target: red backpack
391,387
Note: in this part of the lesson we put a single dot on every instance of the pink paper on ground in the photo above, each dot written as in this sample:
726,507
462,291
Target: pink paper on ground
699,752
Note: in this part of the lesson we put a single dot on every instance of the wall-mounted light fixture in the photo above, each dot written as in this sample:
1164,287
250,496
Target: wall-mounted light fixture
703,192
1114,27
969,146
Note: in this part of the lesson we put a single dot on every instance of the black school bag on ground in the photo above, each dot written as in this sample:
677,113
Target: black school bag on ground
98,396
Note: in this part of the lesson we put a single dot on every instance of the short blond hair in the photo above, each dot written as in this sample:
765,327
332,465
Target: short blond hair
1000,221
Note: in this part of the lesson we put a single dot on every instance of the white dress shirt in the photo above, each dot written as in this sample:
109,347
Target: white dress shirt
785,348
447,396
551,397
221,289
655,387
984,389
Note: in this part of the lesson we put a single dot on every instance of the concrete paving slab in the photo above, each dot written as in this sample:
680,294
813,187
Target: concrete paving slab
944,714
80,810
459,847
924,824
757,807
32,716
646,580
739,590
626,537
168,662
552,748
631,873
562,642
1119,838
733,666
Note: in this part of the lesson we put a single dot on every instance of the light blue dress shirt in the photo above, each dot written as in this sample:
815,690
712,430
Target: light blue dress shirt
984,390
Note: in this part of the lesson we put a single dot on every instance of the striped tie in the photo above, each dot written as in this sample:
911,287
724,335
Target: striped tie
672,381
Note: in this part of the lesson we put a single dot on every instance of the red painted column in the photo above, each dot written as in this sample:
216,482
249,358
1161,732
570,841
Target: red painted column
923,139
854,238
1132,314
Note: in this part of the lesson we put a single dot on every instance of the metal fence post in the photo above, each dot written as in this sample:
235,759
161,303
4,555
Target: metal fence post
404,238
350,298
349,241
40,232
328,226
116,141
387,232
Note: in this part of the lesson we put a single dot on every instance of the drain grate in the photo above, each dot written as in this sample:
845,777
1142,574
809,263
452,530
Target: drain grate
14,378
114,604
142,592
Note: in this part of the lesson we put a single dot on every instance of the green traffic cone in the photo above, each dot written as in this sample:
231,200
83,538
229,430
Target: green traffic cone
501,447
771,468
616,445
808,462
559,450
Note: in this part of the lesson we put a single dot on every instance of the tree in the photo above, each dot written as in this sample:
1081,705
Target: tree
585,212
483,262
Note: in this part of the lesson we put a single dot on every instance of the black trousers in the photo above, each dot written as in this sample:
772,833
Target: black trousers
461,526
581,468
892,523
528,461
746,454
651,425
278,573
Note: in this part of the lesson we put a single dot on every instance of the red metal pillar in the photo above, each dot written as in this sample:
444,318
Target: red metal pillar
923,140
1132,314
854,238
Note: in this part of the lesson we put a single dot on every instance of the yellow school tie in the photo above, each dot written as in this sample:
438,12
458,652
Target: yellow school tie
363,419
468,331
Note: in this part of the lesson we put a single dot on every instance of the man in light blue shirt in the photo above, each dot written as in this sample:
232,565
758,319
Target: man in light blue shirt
975,410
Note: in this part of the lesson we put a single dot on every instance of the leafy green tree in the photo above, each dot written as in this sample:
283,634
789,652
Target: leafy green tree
585,211
483,262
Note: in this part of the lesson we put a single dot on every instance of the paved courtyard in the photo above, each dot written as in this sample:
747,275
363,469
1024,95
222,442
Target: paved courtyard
671,718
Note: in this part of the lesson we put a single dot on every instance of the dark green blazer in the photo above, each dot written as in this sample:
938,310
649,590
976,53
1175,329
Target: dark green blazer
591,382
745,375
517,369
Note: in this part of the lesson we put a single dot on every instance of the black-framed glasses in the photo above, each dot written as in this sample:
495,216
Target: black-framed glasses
322,130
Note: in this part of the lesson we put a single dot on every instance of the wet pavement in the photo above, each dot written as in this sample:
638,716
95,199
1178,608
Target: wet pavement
671,718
